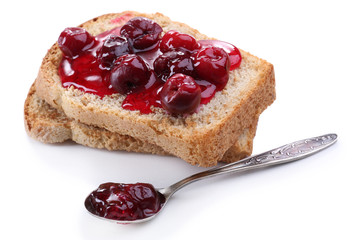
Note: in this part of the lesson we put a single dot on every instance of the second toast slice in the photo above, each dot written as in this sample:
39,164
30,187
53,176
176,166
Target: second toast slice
49,125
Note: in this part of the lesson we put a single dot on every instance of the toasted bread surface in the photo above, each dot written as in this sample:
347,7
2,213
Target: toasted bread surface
201,138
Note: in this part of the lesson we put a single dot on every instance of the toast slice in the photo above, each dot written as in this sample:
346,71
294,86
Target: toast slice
201,138
49,125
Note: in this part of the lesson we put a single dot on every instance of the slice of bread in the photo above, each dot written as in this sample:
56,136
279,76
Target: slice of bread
201,138
49,125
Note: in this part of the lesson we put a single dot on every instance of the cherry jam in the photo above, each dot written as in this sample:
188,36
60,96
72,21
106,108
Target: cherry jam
91,70
125,202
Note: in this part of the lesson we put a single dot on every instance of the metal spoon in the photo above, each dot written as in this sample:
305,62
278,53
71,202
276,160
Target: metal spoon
284,154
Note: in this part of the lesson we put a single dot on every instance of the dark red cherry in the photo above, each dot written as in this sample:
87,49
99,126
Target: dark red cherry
142,32
180,94
74,40
234,54
173,62
212,64
129,74
174,40
113,48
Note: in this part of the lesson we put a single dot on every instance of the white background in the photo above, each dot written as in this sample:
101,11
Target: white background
310,43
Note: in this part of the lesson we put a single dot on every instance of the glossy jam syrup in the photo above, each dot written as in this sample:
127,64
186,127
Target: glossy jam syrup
121,19
127,202
85,73
144,100
208,90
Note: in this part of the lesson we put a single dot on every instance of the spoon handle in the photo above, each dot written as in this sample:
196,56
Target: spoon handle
284,154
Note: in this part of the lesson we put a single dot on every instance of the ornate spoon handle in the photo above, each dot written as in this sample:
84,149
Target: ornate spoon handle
287,153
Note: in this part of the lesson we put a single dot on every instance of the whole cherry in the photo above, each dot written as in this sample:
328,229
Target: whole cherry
113,48
74,40
143,33
235,57
174,40
129,74
212,64
180,94
173,62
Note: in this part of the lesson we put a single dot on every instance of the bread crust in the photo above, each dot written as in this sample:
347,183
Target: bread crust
49,125
200,139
